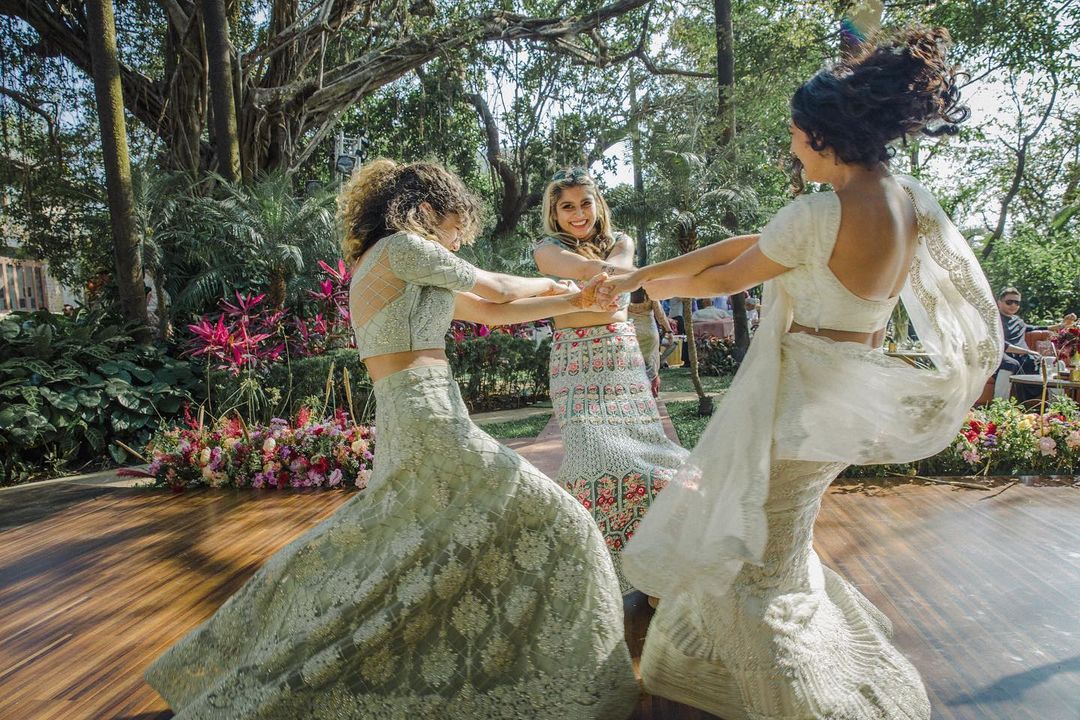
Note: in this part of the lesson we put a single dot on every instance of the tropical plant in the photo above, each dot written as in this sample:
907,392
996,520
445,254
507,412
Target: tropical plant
246,237
72,387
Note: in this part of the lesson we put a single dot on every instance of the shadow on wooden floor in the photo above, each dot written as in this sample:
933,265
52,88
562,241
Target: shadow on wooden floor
983,593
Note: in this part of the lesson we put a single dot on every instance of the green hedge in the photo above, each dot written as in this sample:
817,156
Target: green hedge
500,371
494,372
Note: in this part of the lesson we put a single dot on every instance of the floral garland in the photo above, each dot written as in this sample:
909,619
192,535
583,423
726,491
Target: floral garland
306,453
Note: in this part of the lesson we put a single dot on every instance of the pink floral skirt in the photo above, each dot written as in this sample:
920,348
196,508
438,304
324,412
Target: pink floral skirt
617,454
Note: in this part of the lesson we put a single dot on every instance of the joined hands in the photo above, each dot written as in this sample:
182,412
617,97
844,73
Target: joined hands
591,296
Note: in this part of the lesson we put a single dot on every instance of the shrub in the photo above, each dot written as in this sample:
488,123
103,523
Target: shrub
71,387
1002,439
499,370
716,356
284,388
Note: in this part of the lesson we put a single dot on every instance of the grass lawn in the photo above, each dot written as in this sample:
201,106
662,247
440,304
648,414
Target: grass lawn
678,380
688,424
525,427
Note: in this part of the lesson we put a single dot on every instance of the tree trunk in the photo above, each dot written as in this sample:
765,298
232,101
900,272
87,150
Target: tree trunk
705,403
110,105
183,116
742,325
725,85
276,292
639,182
219,60
164,328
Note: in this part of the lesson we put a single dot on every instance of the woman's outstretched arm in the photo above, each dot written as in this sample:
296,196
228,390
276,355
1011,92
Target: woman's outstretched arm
554,260
470,307
749,269
502,288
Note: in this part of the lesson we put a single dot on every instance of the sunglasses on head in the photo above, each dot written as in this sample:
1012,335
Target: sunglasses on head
578,173
1011,302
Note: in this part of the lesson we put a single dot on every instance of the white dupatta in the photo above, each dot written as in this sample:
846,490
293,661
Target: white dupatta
809,398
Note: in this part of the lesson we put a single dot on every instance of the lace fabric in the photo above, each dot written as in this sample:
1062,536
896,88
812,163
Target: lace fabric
618,457
462,583
402,295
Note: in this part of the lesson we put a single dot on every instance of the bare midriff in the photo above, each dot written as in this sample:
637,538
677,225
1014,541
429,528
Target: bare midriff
588,319
870,339
380,366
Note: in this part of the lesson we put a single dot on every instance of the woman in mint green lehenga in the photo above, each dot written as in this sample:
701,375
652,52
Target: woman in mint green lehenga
462,583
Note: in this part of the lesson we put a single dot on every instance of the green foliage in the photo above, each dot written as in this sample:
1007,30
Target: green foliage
291,385
500,370
246,237
71,387
1046,270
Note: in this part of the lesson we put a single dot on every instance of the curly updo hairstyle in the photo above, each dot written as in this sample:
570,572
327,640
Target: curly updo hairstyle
384,197
887,91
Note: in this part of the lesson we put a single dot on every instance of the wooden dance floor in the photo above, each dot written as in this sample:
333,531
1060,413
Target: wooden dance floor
96,582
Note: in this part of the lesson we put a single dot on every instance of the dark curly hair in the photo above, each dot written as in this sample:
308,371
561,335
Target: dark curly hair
889,91
384,197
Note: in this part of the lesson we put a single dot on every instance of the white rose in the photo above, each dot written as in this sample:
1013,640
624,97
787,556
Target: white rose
269,444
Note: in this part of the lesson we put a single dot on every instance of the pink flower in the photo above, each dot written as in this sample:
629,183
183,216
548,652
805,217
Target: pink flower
970,456
1072,440
362,478
1047,446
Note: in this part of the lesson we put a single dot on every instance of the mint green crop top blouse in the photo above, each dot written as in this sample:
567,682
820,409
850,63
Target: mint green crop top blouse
401,297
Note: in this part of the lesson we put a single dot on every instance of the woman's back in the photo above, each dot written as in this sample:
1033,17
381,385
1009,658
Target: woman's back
875,241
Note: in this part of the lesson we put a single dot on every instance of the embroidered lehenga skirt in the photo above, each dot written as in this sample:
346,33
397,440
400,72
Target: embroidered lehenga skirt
462,583
617,456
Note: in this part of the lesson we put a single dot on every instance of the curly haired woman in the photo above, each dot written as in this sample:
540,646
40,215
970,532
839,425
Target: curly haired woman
462,583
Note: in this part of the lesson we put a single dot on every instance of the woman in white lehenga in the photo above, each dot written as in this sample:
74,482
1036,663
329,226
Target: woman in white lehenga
750,624
462,583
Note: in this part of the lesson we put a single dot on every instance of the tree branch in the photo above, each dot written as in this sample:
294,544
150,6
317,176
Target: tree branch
1018,172
141,95
33,106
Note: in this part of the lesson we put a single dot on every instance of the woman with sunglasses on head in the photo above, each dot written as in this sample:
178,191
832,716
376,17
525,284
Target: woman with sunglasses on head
617,455
462,583
750,624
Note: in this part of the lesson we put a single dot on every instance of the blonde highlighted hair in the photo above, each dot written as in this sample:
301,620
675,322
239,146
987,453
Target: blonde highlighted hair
598,245
384,197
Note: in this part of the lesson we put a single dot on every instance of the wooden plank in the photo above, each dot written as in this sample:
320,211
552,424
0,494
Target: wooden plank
982,593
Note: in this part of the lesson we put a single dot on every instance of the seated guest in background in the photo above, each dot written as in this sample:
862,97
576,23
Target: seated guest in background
706,311
1018,358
